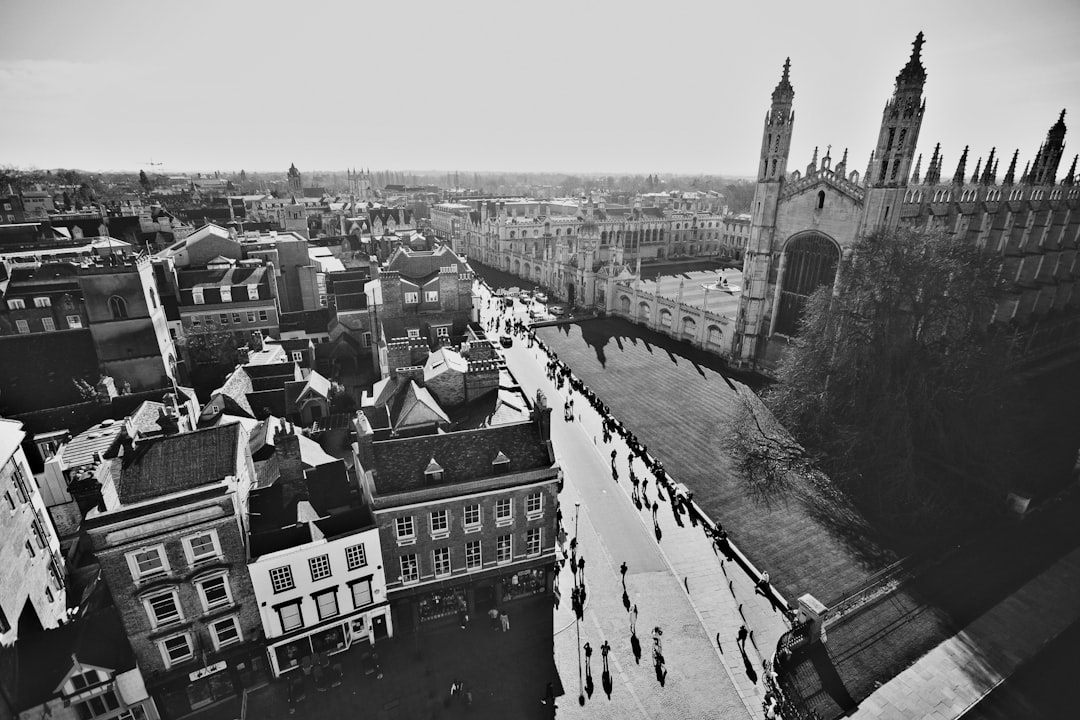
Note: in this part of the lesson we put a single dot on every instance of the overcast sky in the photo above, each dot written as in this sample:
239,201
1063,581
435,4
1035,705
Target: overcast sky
578,87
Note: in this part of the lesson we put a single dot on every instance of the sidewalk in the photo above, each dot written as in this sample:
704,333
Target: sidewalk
506,673
679,583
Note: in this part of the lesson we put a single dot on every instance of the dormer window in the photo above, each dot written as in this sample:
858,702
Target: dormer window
253,292
197,296
433,472
501,463
226,293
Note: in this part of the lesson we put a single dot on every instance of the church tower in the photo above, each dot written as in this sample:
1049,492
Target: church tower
1044,169
751,322
295,186
895,150
776,137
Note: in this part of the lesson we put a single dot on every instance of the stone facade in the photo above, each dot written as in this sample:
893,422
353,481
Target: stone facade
32,576
804,224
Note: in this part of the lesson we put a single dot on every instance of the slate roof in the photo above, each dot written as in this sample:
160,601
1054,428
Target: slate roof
416,265
174,463
310,321
45,658
399,464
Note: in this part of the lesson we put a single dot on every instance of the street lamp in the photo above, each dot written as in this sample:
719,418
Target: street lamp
577,619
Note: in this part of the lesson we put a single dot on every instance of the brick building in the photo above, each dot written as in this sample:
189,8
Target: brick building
171,540
467,518
426,297
64,320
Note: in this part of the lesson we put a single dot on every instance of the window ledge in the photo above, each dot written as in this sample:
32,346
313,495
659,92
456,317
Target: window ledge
406,541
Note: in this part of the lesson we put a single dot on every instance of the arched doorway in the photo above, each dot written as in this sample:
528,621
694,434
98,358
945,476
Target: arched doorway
810,262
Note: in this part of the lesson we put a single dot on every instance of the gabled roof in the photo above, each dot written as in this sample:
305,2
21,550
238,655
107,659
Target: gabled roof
174,463
414,406
317,386
400,463
442,361
45,659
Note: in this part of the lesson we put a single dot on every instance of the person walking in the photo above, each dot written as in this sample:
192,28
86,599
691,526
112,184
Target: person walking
633,620
743,634
655,508
604,650
588,659
504,620
657,633
622,569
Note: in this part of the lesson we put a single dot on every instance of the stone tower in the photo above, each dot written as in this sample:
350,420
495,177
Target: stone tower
894,153
1044,169
295,184
775,146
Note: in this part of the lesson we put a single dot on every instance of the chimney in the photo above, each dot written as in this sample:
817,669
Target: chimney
243,355
365,439
542,416
168,423
412,372
106,389
290,465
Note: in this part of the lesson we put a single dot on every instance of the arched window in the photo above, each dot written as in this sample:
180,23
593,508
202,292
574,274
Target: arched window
118,307
511,234
569,231
820,199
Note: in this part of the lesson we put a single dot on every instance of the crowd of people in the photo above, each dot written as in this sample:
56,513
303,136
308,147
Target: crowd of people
681,498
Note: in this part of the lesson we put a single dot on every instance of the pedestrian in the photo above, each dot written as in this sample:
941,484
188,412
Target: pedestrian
655,507
463,618
623,571
633,620
765,581
493,617
657,633
743,633
504,619
588,658
581,569
644,485
604,650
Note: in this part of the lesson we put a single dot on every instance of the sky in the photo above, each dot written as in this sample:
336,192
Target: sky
580,87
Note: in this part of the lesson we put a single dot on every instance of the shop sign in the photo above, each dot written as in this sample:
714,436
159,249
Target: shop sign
207,671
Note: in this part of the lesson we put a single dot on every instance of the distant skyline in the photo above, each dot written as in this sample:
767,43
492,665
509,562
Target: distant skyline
585,87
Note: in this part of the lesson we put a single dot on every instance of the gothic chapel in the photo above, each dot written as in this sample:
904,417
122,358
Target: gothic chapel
806,222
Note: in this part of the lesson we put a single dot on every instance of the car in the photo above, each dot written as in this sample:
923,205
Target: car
540,297
506,341
557,310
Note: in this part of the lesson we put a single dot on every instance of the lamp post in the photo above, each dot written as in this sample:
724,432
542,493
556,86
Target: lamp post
577,619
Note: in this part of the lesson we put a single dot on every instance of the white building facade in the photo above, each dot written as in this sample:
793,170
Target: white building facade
321,597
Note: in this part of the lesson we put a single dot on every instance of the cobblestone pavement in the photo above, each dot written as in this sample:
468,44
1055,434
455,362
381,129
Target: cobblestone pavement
674,577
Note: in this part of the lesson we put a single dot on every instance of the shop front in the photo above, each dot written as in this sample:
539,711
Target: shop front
443,603
188,692
524,583
329,639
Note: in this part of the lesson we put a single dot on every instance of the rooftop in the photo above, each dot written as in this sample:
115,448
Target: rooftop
165,465
467,455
